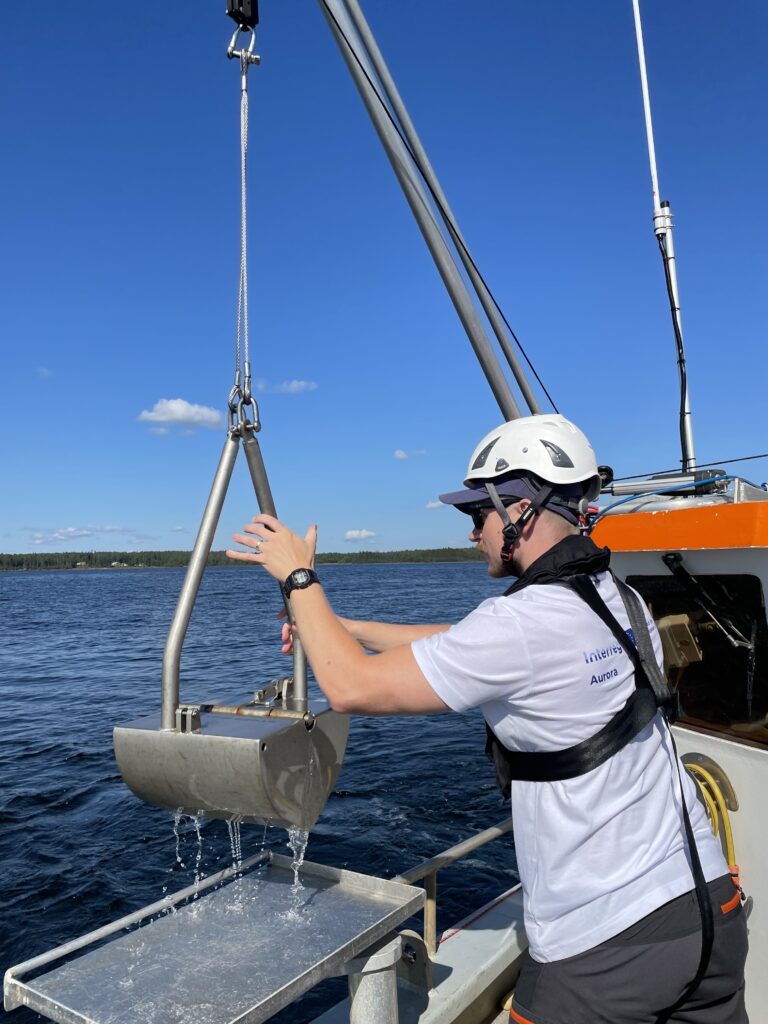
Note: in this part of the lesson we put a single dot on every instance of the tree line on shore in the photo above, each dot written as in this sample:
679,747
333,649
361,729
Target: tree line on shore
175,559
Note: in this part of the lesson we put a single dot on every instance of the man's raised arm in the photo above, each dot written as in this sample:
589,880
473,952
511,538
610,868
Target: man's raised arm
383,636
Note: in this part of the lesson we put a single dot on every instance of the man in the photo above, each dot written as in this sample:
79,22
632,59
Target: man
614,928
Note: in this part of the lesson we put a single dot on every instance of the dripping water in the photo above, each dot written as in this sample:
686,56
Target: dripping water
235,841
176,823
297,843
198,854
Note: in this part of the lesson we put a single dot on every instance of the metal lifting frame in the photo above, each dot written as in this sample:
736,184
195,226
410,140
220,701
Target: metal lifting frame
374,83
242,430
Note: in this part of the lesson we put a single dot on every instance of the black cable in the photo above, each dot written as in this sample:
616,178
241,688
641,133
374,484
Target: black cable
678,341
699,465
457,240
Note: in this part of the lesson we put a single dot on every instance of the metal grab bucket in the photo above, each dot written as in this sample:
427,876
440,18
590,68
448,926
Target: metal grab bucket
273,759
256,764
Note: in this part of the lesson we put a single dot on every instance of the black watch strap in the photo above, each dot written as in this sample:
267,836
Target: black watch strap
299,579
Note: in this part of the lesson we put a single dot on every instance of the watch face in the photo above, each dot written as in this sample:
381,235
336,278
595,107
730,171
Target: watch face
300,577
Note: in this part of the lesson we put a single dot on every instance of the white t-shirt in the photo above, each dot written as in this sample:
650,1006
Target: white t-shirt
598,852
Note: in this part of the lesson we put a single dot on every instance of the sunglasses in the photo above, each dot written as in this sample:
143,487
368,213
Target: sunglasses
478,519
480,515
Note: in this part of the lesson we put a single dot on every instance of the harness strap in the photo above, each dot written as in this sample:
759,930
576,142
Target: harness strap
644,658
651,695
639,710
670,708
702,898
555,765
636,612
640,652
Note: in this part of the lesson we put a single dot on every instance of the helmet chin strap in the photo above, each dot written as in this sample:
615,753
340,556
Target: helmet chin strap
511,531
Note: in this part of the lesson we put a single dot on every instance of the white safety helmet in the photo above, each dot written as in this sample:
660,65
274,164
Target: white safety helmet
545,459
549,447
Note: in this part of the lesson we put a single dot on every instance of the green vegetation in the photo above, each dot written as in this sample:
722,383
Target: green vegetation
171,559
409,555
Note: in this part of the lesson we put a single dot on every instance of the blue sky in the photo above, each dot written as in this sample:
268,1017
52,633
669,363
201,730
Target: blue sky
119,255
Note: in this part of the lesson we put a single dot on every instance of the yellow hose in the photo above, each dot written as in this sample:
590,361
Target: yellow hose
716,807
712,810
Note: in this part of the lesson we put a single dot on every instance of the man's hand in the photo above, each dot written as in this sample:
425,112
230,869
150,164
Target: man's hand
389,683
275,547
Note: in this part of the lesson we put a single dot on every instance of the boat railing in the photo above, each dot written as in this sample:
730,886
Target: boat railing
428,869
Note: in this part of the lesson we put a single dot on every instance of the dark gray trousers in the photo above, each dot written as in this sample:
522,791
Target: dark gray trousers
634,976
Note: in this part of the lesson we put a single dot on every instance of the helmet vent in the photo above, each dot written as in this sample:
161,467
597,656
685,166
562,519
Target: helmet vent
482,458
557,455
501,465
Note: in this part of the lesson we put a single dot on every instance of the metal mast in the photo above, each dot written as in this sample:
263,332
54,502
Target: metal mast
402,146
662,227
409,131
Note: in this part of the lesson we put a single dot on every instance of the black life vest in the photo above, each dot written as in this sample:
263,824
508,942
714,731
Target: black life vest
573,561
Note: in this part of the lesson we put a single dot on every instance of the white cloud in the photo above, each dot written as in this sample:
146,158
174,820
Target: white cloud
434,504
182,412
68,533
178,529
400,455
65,533
359,534
159,431
294,387
44,372
288,387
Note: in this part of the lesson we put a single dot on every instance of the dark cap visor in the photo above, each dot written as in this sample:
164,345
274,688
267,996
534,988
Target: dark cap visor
468,501
478,497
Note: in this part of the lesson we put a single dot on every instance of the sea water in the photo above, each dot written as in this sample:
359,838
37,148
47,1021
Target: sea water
82,651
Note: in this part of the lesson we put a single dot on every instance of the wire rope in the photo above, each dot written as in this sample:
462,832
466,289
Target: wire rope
241,331
448,220
699,465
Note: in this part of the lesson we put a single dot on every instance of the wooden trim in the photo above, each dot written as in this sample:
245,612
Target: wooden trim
686,529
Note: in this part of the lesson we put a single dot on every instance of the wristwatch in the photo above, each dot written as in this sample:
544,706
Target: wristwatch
299,579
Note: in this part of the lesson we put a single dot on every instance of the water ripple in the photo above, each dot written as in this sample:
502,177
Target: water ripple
83,650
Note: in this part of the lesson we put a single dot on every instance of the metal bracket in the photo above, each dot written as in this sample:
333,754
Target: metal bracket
415,966
188,718
717,773
279,689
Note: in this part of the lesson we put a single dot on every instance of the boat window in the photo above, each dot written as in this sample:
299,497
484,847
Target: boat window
719,668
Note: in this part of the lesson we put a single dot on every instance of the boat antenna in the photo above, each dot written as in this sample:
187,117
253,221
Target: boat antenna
662,227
